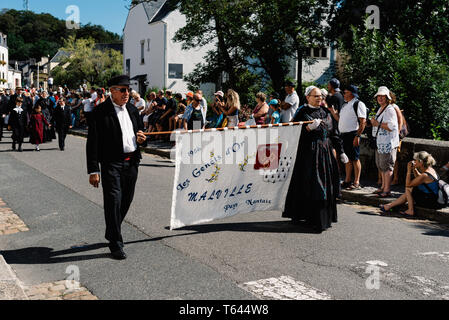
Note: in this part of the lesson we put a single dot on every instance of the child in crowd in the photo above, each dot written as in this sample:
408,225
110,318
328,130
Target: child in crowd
275,116
18,122
37,122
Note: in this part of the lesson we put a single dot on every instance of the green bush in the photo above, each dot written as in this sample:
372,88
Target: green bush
418,76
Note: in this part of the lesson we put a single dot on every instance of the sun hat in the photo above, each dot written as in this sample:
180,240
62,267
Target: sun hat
383,91
219,93
189,94
354,90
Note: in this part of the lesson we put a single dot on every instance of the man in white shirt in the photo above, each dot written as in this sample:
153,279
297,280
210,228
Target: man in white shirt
115,133
351,124
290,104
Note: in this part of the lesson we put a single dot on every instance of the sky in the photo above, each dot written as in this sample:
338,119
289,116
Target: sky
111,14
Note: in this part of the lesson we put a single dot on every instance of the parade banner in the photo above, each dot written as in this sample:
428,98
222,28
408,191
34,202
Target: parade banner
223,173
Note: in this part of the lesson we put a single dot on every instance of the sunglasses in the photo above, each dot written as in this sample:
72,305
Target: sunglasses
122,90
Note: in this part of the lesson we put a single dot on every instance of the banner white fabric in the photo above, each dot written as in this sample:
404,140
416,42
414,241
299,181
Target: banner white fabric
223,173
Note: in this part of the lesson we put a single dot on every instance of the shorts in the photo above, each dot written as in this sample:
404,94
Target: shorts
425,200
385,161
352,152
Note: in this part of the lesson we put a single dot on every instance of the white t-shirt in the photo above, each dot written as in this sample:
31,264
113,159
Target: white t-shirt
293,100
93,97
387,140
203,104
87,105
348,119
140,103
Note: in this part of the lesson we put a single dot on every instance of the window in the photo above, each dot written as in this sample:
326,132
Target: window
316,53
175,71
324,53
148,45
308,52
142,52
128,66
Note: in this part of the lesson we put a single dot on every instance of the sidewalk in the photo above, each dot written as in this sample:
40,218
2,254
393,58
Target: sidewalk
10,286
366,196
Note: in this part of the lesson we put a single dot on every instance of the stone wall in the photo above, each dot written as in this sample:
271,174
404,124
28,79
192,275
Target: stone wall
438,149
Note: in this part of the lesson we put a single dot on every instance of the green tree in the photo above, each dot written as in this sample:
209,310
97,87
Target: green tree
32,35
409,18
418,76
87,64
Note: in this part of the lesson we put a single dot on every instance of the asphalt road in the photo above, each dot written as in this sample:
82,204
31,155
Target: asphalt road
363,256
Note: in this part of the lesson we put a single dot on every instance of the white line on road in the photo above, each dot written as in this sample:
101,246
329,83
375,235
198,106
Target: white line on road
284,288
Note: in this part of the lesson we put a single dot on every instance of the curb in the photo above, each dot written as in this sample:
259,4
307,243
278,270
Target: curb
10,286
366,197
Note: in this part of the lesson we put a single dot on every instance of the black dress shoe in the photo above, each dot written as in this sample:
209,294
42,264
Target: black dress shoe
119,254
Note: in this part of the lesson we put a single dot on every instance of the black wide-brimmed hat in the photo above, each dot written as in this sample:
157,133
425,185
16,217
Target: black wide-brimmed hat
122,80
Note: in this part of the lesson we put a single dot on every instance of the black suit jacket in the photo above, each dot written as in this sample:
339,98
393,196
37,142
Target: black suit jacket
63,118
104,140
4,102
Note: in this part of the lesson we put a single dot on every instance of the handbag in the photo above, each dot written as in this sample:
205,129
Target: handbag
372,141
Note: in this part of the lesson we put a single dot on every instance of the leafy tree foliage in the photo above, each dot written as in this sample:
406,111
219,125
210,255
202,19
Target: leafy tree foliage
85,63
32,35
418,76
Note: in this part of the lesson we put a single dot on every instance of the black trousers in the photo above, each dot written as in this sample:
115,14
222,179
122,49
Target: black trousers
118,181
2,123
62,133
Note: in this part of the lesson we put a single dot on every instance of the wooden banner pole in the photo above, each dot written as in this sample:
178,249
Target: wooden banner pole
232,128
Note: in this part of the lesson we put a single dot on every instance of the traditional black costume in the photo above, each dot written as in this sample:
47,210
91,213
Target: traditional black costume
315,183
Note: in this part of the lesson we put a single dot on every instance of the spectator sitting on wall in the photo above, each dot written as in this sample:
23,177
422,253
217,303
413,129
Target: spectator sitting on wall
421,190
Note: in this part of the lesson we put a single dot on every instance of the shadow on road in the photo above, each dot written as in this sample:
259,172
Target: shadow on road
266,226
44,255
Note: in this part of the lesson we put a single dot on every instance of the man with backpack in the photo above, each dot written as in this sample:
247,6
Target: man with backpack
351,123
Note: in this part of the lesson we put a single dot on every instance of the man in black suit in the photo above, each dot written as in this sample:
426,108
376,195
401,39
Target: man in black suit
4,100
115,134
63,121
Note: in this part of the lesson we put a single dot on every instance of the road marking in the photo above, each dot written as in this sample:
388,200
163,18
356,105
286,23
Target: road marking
444,256
284,288
377,263
415,285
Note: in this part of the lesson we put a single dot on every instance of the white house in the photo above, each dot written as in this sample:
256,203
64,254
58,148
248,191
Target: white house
151,57
3,61
10,78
